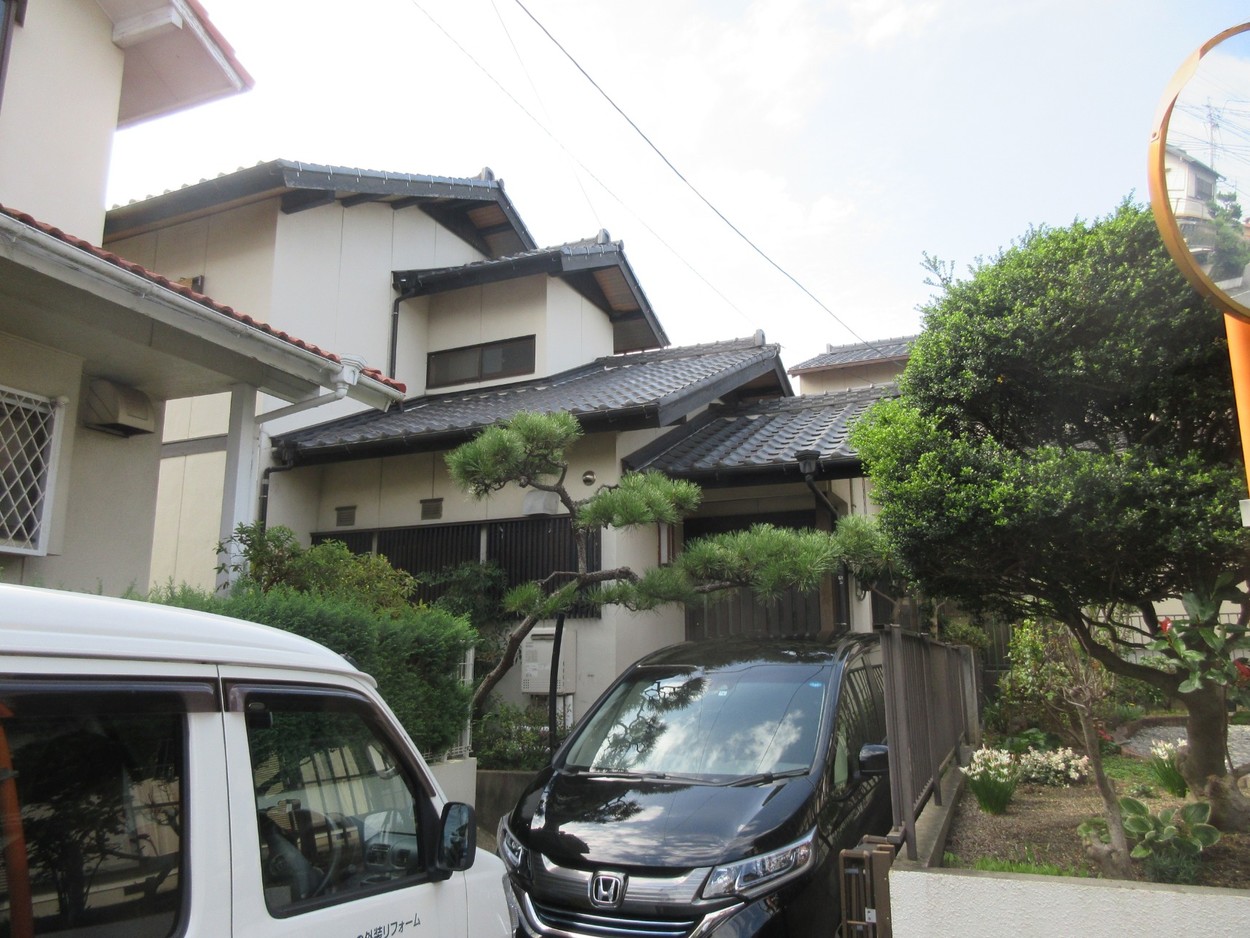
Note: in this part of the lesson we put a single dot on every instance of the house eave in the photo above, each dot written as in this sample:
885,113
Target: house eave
117,320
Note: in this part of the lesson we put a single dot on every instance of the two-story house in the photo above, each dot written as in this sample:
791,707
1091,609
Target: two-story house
92,346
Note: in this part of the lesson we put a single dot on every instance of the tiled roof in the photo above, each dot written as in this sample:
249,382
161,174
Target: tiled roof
183,290
595,267
652,388
475,208
763,437
883,350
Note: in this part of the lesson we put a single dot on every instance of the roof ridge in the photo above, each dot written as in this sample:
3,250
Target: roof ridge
677,351
485,178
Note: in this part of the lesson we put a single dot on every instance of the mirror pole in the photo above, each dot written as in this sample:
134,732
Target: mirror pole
1238,331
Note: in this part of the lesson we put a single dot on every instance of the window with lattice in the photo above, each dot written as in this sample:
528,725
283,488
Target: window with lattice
29,444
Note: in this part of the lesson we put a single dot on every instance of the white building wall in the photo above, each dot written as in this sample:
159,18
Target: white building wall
104,496
849,376
57,121
581,332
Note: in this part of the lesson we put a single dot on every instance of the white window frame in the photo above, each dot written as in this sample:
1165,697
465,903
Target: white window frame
40,510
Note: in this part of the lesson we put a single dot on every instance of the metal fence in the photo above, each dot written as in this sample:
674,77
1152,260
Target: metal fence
931,710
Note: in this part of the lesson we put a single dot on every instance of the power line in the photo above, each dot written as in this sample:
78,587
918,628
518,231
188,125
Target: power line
667,162
556,140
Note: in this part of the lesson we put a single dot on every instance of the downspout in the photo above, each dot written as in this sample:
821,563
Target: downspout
262,511
348,375
393,355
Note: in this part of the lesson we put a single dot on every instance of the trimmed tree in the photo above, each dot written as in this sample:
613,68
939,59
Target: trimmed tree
1065,446
531,449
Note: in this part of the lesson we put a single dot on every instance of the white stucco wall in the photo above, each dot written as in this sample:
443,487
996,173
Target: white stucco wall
105,492
58,114
583,330
941,903
849,376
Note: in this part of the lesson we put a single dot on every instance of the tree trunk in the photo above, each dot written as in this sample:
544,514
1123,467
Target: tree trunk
1112,858
1205,763
478,705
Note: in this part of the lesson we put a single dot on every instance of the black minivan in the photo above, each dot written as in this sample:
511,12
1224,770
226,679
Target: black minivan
708,792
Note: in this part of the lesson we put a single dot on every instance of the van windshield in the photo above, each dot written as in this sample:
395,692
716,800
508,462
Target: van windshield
713,725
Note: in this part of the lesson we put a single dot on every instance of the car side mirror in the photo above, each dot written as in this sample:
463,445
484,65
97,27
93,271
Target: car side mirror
457,838
874,760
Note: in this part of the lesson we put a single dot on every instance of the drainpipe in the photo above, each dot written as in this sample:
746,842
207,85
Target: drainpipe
809,461
391,358
346,378
262,511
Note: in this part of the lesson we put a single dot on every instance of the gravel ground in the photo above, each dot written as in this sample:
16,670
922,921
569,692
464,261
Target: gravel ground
1140,743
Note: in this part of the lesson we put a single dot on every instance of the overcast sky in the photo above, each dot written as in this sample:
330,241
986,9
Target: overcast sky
843,138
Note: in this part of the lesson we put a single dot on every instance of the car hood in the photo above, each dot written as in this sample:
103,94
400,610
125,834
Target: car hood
578,820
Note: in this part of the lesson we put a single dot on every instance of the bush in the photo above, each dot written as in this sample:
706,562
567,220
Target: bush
1059,768
511,737
992,777
1032,738
414,653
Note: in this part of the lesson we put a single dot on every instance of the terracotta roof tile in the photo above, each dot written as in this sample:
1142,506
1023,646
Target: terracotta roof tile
186,291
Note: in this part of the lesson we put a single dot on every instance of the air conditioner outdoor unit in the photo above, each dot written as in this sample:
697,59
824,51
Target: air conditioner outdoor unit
115,408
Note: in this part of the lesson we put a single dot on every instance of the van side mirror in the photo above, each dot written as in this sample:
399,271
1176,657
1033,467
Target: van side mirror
457,838
874,760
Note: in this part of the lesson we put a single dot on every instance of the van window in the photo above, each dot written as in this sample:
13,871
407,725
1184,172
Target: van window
338,813
91,803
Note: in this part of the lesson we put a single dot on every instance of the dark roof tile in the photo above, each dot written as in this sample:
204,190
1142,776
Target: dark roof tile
764,435
656,387
859,353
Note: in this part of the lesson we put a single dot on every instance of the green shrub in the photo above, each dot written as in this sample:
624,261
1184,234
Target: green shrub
1031,738
511,737
415,653
965,633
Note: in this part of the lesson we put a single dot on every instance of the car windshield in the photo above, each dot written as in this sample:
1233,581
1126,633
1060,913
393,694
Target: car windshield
758,719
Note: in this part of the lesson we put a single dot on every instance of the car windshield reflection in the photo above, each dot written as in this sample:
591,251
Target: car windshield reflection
736,726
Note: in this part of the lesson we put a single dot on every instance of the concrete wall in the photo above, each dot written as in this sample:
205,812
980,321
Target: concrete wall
941,903
58,114
458,780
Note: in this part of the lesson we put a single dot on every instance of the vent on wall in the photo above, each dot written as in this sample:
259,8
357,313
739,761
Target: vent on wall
431,509
115,408
345,516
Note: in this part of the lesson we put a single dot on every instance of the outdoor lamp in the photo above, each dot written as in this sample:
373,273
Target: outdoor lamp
808,459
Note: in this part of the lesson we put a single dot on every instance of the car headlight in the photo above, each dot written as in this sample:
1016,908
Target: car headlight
758,874
510,849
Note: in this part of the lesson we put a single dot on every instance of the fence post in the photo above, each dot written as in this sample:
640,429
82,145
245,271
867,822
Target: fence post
902,789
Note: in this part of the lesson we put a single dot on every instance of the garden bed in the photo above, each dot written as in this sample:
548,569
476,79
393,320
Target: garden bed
1039,827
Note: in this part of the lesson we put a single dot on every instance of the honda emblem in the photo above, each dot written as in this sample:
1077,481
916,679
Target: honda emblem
607,890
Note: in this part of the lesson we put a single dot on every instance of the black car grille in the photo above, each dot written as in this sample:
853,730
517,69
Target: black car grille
612,926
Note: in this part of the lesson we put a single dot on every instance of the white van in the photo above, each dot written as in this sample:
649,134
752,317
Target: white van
172,773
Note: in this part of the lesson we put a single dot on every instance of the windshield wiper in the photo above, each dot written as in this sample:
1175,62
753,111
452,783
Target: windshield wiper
588,772
762,778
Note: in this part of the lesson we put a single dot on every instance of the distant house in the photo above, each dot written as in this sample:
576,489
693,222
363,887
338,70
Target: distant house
861,364
93,346
1191,188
